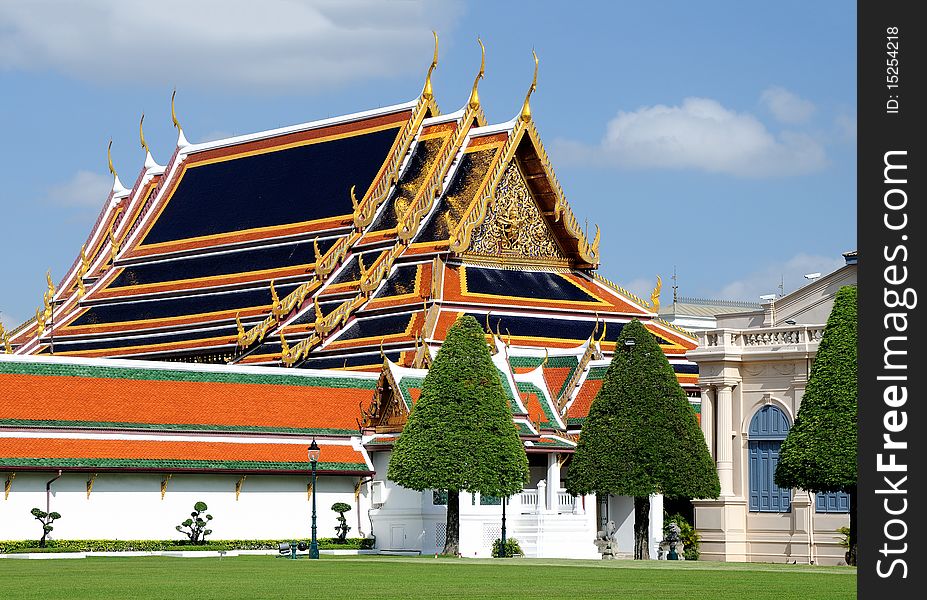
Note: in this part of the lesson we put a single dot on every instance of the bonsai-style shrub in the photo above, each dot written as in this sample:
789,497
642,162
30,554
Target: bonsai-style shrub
342,528
510,549
819,453
46,519
641,436
460,434
195,527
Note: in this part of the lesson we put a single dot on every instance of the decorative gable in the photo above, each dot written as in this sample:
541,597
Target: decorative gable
514,227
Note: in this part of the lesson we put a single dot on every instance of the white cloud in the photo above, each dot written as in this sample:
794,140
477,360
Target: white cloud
766,280
699,134
846,127
267,45
84,190
786,106
640,286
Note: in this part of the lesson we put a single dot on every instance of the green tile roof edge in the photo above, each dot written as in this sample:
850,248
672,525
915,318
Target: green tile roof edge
59,424
50,369
407,383
527,386
169,464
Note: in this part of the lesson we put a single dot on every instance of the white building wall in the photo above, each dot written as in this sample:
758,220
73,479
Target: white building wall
129,506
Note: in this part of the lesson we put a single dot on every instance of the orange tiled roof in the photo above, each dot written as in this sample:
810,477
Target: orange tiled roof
32,453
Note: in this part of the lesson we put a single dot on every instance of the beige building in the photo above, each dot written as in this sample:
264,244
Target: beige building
753,370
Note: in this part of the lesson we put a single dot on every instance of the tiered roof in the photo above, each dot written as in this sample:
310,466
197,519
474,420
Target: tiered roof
331,244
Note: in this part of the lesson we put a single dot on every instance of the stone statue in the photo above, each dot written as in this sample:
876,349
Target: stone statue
672,537
605,542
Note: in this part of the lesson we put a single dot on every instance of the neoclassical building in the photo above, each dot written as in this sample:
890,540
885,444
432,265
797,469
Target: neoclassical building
753,370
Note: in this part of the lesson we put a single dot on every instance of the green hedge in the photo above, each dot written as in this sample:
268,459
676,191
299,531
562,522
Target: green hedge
19,547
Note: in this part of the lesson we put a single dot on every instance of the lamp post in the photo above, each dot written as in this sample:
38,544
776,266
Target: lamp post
313,459
505,501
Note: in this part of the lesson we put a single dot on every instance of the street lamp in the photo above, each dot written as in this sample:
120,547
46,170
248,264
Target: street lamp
313,459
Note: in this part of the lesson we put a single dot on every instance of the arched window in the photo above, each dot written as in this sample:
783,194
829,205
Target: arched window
768,428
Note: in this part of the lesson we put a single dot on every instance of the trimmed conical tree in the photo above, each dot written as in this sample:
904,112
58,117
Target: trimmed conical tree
460,434
819,453
641,436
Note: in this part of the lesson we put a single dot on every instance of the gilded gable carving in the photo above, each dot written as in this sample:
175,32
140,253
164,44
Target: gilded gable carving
514,226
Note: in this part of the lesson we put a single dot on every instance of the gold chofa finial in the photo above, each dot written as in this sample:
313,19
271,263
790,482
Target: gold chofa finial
354,200
174,112
48,280
655,295
426,92
109,158
141,134
474,95
604,329
526,107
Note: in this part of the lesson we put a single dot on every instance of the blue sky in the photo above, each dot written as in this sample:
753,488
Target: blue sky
718,138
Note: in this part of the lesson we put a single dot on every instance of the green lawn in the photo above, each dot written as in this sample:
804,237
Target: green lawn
373,577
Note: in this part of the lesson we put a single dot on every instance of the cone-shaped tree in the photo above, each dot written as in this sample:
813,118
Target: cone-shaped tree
641,436
460,434
819,453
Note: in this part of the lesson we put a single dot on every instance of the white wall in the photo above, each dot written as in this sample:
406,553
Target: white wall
129,506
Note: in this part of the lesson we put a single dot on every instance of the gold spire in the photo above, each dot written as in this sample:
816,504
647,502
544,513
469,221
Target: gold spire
426,92
526,107
174,112
141,134
474,95
109,158
655,295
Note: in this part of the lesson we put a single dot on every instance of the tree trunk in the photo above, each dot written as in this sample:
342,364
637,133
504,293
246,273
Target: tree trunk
642,528
851,552
42,541
452,529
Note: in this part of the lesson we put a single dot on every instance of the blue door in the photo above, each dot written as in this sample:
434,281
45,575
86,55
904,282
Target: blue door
768,428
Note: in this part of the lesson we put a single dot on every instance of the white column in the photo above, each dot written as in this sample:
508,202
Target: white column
725,450
553,481
707,419
656,524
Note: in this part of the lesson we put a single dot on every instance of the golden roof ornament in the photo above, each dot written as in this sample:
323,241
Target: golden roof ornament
141,134
474,94
39,321
51,285
181,139
546,358
426,91
241,329
655,295
7,348
113,245
284,349
526,107
84,261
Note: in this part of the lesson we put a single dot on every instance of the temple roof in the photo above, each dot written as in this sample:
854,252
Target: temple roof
322,244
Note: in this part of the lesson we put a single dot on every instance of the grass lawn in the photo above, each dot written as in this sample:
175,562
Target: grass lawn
372,577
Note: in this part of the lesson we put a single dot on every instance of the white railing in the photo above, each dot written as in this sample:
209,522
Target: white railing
531,501
761,338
